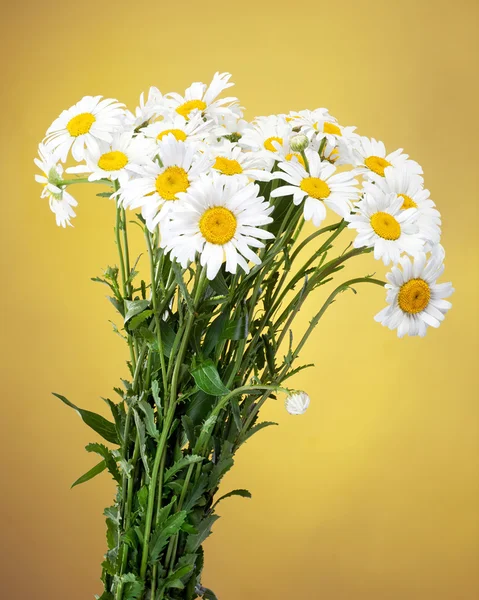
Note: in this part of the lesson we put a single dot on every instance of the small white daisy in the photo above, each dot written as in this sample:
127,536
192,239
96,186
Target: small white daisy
220,218
370,158
158,186
193,130
154,107
121,160
415,300
230,159
84,126
60,201
321,186
268,135
203,99
297,403
381,223
410,187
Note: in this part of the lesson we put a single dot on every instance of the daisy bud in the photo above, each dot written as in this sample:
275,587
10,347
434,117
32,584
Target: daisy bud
298,142
297,403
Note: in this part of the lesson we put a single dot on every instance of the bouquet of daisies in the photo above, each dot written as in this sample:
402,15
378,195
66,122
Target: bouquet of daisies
222,204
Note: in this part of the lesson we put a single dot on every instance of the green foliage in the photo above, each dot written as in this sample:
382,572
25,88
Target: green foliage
207,378
98,423
96,470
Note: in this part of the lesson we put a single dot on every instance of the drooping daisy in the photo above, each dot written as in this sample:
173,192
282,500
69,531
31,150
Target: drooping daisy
84,126
220,218
268,136
370,158
230,159
154,107
123,158
158,187
321,186
203,99
409,186
381,223
194,129
415,300
297,403
60,201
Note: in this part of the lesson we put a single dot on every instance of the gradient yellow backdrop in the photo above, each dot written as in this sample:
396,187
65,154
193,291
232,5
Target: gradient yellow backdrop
374,494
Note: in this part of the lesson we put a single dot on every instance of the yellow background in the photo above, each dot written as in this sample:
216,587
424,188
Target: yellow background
373,495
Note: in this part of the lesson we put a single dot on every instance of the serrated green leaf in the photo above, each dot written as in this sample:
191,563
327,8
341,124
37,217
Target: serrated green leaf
160,538
257,428
98,423
242,493
207,378
133,587
189,429
137,320
204,529
237,329
209,595
181,464
149,419
135,307
213,333
110,462
96,470
195,494
221,467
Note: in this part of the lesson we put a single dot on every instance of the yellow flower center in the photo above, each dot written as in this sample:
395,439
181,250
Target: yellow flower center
298,156
386,226
414,296
178,133
268,144
80,124
315,187
408,202
332,128
227,166
113,161
218,225
377,164
185,109
172,181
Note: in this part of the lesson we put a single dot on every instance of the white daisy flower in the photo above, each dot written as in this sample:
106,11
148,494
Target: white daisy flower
382,223
415,300
154,107
60,201
121,160
231,123
84,126
309,120
268,136
321,186
297,403
158,187
409,186
230,159
202,98
193,130
220,218
370,158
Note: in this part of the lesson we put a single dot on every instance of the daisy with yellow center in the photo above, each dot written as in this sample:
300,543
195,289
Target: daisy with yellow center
121,160
319,188
202,99
410,187
158,186
230,159
195,129
371,159
84,126
382,224
415,299
60,201
148,111
221,219
268,137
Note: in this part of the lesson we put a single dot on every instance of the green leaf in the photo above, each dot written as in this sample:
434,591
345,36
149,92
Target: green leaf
98,423
221,467
174,580
99,468
181,464
204,529
189,429
135,307
195,494
209,594
257,428
237,329
242,493
105,194
161,536
208,379
199,407
168,336
136,321
117,304
149,419
164,513
141,434
219,285
133,587
213,333
110,462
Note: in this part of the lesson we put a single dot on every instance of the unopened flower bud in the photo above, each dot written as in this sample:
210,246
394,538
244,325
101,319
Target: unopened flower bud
298,142
297,403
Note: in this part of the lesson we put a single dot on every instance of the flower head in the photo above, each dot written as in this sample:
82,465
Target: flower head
297,403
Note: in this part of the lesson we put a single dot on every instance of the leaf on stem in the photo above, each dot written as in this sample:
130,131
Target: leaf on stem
96,470
241,493
135,307
181,464
207,378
